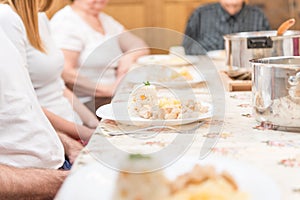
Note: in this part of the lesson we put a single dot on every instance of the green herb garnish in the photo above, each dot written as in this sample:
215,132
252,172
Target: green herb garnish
138,157
147,83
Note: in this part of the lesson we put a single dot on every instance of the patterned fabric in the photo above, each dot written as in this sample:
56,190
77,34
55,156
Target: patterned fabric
275,153
208,24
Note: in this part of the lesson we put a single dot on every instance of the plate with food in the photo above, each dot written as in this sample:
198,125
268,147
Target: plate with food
116,112
165,76
166,59
146,107
187,178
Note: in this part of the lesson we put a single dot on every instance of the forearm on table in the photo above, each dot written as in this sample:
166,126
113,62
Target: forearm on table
131,43
134,54
133,48
29,183
87,117
83,86
131,55
73,130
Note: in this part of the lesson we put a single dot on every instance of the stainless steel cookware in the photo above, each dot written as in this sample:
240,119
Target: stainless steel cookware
276,90
244,46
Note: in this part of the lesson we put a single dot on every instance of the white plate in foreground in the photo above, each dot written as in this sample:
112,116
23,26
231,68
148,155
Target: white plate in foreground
96,181
119,112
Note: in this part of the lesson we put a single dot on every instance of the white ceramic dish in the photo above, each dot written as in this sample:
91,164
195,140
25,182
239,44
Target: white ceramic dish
95,181
165,59
217,54
119,112
166,77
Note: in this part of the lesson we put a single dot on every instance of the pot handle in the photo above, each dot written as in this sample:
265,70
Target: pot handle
294,90
259,42
294,80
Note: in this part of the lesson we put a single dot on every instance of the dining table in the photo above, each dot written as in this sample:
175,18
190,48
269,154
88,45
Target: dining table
232,132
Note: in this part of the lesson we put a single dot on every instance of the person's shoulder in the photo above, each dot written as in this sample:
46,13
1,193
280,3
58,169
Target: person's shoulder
109,20
7,13
107,17
253,9
43,17
10,20
207,7
63,14
43,21
64,19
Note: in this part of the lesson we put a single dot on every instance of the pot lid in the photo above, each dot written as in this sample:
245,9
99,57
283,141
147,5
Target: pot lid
272,34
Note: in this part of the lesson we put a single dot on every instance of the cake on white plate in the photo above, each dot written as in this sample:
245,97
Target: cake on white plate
142,185
146,103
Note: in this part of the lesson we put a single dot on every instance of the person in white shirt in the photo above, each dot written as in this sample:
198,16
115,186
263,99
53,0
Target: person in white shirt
30,34
30,150
96,49
27,138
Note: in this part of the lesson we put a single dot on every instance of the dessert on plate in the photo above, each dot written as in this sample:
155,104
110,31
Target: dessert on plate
200,183
146,103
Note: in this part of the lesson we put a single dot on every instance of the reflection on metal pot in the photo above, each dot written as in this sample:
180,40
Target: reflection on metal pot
276,90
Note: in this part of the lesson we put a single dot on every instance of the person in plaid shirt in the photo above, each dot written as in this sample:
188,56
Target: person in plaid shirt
208,24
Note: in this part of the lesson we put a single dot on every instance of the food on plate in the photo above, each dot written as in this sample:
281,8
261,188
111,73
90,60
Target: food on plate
145,103
163,60
183,72
167,74
204,183
175,60
141,186
148,186
141,100
200,183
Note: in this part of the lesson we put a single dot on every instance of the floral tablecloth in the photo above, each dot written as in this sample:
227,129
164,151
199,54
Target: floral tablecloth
276,153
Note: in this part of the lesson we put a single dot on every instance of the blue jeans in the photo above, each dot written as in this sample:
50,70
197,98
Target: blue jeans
67,165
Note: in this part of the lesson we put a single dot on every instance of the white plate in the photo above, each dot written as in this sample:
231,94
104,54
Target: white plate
165,59
217,54
163,76
119,112
98,182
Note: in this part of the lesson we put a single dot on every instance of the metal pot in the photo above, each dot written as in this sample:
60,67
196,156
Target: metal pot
244,46
276,91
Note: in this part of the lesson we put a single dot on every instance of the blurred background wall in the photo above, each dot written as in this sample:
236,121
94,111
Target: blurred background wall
173,14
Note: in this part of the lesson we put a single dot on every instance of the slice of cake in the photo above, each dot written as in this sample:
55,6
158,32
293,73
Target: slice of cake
142,185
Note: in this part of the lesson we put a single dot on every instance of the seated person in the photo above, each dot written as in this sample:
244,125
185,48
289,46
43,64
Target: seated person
30,150
93,50
44,62
208,24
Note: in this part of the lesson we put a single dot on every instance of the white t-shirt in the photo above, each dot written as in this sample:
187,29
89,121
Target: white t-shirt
27,138
98,53
45,69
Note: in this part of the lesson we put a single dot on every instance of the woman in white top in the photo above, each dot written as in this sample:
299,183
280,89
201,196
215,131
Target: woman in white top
44,63
93,48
